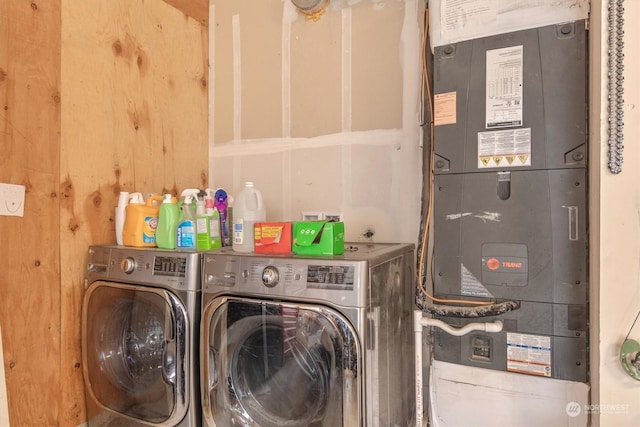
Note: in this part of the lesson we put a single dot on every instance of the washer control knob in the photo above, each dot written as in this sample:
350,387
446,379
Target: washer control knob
128,265
270,276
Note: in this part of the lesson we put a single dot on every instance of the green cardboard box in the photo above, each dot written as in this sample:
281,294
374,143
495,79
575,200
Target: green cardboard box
318,238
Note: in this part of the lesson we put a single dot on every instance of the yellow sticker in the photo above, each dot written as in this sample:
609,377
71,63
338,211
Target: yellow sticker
444,108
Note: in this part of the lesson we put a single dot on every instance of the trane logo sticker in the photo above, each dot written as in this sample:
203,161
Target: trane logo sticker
505,264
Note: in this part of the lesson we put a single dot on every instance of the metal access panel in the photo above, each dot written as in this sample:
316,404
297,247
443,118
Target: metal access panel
510,196
547,340
515,100
530,246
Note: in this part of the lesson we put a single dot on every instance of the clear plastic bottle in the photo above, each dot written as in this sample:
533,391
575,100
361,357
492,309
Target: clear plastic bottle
248,209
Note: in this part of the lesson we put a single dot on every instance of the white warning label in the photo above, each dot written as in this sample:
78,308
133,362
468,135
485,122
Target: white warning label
504,87
470,285
504,148
529,354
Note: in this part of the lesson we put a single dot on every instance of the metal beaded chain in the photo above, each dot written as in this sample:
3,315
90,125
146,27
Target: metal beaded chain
616,85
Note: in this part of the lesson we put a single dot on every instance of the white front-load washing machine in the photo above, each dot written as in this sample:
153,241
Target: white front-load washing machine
140,337
308,341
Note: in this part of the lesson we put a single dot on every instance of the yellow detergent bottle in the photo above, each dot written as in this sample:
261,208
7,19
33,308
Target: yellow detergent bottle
141,221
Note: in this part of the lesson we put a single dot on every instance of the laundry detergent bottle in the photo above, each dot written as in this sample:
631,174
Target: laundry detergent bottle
123,201
168,219
141,221
248,209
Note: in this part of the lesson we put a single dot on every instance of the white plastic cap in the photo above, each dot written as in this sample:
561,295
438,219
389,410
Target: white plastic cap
136,198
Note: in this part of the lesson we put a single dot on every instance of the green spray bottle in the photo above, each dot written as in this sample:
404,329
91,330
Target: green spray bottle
207,224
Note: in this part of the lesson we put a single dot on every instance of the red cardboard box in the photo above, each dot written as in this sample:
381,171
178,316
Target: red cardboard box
272,237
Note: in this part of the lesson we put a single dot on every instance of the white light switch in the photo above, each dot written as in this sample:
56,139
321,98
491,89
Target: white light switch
11,199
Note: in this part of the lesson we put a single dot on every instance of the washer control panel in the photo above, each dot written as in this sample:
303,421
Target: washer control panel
174,269
322,278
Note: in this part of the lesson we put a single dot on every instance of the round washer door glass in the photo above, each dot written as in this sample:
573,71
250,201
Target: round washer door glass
277,364
133,351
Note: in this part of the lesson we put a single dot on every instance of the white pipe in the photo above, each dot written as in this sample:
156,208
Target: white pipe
495,326
418,323
417,330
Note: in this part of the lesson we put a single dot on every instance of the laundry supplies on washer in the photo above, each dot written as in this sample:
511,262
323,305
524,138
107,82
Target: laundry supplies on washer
248,209
123,201
186,231
318,238
221,202
272,237
141,221
168,219
207,224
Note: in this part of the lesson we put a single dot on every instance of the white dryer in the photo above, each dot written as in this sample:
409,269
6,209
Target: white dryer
140,329
308,341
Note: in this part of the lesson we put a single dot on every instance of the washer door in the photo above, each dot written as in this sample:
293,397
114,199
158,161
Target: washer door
278,364
134,352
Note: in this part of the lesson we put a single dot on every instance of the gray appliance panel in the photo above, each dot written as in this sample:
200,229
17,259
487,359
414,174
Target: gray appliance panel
568,352
515,232
530,247
341,280
554,85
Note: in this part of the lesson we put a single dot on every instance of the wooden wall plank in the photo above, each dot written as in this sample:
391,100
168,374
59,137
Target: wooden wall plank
95,97
29,155
134,79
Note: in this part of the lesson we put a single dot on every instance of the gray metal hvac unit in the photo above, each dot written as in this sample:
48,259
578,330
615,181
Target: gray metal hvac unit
510,208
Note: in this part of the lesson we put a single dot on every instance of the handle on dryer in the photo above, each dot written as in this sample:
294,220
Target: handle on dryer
169,362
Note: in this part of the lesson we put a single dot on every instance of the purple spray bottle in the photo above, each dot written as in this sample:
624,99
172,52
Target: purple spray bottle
221,204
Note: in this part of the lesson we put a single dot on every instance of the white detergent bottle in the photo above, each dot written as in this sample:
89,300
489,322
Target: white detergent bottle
248,209
123,201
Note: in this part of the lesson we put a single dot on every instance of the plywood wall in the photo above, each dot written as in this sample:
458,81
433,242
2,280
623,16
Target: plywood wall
95,98
30,305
